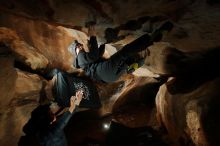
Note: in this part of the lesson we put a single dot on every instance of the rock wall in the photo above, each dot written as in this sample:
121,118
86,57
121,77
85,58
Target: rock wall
19,95
46,39
38,33
190,115
22,92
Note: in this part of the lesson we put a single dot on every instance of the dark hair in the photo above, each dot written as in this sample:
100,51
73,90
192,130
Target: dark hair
41,117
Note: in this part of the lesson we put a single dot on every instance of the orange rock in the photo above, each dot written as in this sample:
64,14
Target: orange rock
190,114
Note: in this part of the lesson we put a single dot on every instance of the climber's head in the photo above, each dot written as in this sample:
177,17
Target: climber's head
78,46
75,47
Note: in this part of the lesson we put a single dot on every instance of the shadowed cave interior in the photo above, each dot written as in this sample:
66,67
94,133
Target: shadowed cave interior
172,100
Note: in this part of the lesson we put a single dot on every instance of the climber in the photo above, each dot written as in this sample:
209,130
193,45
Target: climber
46,127
124,61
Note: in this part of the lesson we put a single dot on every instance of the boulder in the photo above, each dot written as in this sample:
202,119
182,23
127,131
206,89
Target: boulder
23,52
19,96
190,114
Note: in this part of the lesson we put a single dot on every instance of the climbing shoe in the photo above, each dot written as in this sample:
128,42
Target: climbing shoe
163,29
135,66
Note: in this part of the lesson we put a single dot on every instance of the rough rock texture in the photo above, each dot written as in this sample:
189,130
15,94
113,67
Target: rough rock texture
38,33
24,93
192,114
130,101
163,59
23,52
19,95
54,39
135,105
196,21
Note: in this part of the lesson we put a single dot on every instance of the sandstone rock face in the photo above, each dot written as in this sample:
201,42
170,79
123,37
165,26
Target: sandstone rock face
191,114
135,106
196,28
38,32
51,41
131,101
163,59
196,21
24,92
19,96
23,52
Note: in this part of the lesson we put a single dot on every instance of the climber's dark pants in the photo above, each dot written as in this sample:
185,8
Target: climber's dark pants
113,68
133,48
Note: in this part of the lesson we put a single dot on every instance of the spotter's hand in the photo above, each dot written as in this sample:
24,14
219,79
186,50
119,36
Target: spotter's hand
78,97
75,100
